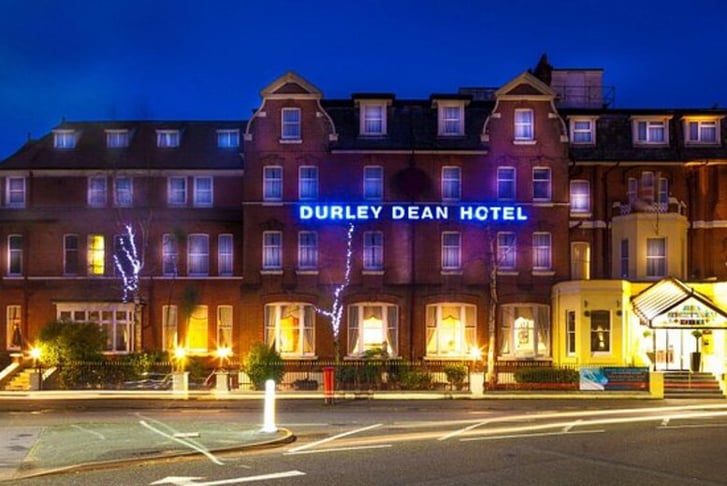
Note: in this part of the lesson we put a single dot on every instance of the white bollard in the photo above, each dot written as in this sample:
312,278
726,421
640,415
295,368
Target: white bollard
269,412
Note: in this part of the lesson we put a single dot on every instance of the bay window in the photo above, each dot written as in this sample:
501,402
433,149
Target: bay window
373,326
525,331
290,328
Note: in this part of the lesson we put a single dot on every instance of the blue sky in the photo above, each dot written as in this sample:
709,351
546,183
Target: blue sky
158,59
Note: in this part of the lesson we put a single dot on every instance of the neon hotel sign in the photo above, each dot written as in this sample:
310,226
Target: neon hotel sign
410,212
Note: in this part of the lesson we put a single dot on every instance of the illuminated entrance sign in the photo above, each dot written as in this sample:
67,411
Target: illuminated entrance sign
410,212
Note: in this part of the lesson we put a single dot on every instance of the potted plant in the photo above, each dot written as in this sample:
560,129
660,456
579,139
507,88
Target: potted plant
696,356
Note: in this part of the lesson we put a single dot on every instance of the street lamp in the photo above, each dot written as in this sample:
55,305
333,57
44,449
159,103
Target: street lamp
224,353
179,356
222,376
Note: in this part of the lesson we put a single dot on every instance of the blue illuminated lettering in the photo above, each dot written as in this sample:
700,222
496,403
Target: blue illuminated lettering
413,212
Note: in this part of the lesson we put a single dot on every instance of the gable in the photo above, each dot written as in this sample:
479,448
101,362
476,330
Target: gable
526,86
291,85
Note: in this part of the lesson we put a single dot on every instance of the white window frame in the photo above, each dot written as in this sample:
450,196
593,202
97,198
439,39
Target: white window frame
198,254
506,183
176,191
580,197
228,138
451,330
170,327
272,183
451,183
15,255
570,333
290,126
15,191
525,331
542,251
13,321
580,260
123,196
373,326
307,182
656,261
600,337
647,186
650,130
170,255
307,250
582,131
373,250
224,326
64,139
373,124
373,182
203,197
96,255
97,191
451,256
506,250
632,189
117,138
197,332
524,125
71,255
706,131
299,342
168,138
272,250
116,318
225,254
542,182
450,119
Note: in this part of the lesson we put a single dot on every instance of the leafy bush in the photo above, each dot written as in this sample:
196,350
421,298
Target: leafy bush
415,380
63,342
263,363
456,373
537,374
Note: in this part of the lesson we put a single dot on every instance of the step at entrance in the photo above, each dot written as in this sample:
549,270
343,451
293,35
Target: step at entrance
687,384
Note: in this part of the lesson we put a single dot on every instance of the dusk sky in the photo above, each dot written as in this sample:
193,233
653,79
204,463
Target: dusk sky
164,60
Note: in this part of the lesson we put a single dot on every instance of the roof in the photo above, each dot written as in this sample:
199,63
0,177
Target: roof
666,295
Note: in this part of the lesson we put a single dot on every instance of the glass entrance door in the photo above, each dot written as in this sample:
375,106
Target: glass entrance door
673,348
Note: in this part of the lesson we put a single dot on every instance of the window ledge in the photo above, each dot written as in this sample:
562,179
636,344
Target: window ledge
449,357
272,203
372,272
543,273
451,272
508,273
524,142
298,358
580,215
291,141
543,204
271,272
306,272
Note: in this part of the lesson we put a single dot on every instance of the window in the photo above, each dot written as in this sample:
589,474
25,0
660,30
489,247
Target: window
96,254
307,183
224,254
177,191
506,250
307,250
117,138
451,251
228,138
272,183
582,131
633,189
570,333
580,260
451,183
373,326
525,331
224,326
450,330
662,196
624,258
646,190
656,257
272,250
169,254
580,197
203,192
373,250
542,251
451,119
15,255
650,132
524,125
506,183
198,254
64,139
97,191
701,131
15,192
290,124
123,192
70,255
116,320
13,332
290,329
170,336
167,138
197,330
373,183
373,119
541,184
600,331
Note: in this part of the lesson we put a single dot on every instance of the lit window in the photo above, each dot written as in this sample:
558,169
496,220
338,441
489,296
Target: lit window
570,333
224,254
307,250
373,250
451,183
580,197
272,250
272,183
542,251
600,331
582,131
64,139
96,254
451,251
701,131
290,127
13,332
656,257
307,183
373,119
506,183
15,192
650,132
373,327
290,328
177,191
97,191
70,255
450,330
123,192
373,183
524,125
624,258
451,120
525,331
117,138
15,255
203,192
167,138
541,184
197,330
580,262
224,326
506,250
198,254
115,320
169,254
228,138
170,336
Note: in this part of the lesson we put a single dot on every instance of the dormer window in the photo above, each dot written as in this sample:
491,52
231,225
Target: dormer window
701,131
450,118
650,130
167,138
583,131
228,138
373,119
117,138
64,139
290,124
524,125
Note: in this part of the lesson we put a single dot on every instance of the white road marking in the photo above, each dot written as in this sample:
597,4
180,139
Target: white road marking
187,443
665,422
338,449
192,481
462,431
571,425
329,439
538,434
98,435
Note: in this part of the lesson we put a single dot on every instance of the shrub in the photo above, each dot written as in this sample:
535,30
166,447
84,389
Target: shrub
456,373
415,380
263,363
537,374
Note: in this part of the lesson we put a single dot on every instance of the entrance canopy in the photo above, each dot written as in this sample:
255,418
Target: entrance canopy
671,303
